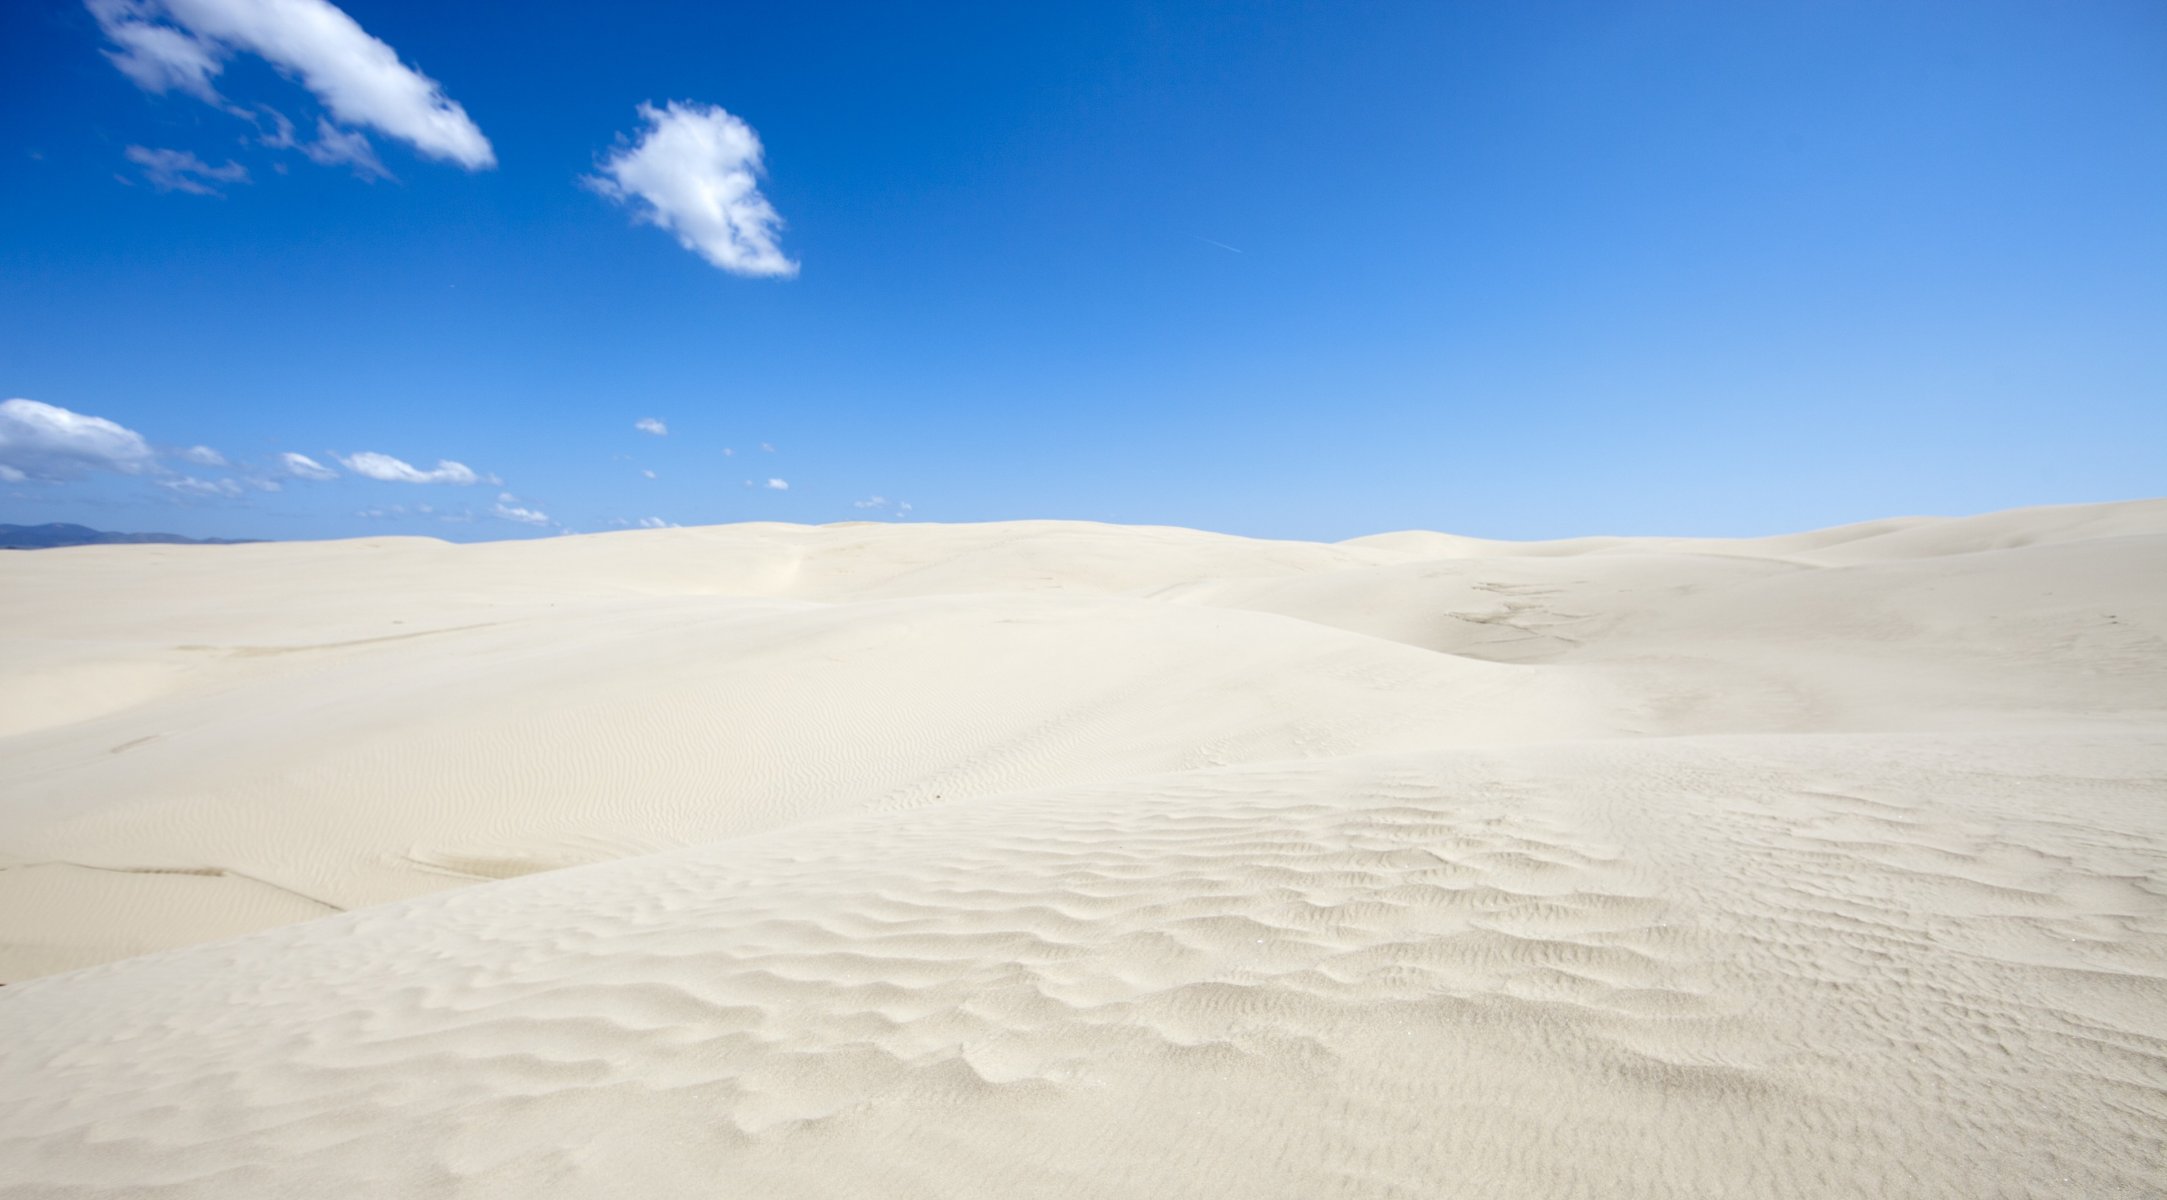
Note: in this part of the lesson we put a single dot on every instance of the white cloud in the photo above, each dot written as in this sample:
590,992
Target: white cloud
303,466
728,453
9,474
899,508
648,474
695,172
334,146
189,485
778,485
183,44
525,516
45,441
653,523
371,465
202,456
767,448
653,425
182,171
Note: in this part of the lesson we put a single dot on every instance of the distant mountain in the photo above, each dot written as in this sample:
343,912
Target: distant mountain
45,537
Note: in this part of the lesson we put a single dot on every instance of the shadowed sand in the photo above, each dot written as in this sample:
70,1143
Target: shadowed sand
1057,859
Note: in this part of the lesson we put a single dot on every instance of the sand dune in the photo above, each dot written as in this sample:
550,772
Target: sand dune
1054,859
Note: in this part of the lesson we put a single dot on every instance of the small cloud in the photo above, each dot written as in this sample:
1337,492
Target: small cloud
653,523
202,456
304,467
648,474
778,485
695,172
188,485
9,474
349,147
653,425
767,448
525,516
728,453
371,465
45,441
182,171
870,502
383,513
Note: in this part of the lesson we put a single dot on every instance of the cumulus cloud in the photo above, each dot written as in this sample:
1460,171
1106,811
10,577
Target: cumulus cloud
525,516
653,425
202,456
167,45
695,172
778,485
182,171
304,467
45,441
370,465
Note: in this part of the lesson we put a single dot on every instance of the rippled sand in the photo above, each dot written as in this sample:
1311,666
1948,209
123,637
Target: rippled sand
1054,859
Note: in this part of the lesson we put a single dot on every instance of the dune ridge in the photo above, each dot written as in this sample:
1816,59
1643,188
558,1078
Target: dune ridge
1056,859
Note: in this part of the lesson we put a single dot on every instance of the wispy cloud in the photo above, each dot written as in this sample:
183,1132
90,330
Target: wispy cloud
202,456
349,147
653,425
188,485
301,466
182,171
695,171
168,45
45,441
370,465
778,485
523,515
870,502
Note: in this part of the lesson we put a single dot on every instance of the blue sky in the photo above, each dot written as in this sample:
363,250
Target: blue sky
1297,270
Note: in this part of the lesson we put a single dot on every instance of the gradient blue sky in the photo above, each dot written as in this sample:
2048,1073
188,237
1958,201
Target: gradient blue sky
1298,270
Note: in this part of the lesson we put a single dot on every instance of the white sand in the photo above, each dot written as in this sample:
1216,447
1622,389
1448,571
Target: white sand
1056,859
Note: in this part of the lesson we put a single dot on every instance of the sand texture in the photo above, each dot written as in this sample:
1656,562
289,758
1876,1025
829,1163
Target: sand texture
1053,859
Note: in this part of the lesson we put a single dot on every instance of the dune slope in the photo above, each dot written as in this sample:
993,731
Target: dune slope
1050,859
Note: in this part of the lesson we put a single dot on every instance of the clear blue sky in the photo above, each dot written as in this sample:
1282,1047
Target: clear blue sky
1299,270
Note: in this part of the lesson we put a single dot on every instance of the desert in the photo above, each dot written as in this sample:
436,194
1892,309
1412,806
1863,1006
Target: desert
1059,859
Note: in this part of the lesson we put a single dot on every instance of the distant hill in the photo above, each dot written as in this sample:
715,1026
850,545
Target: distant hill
57,533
